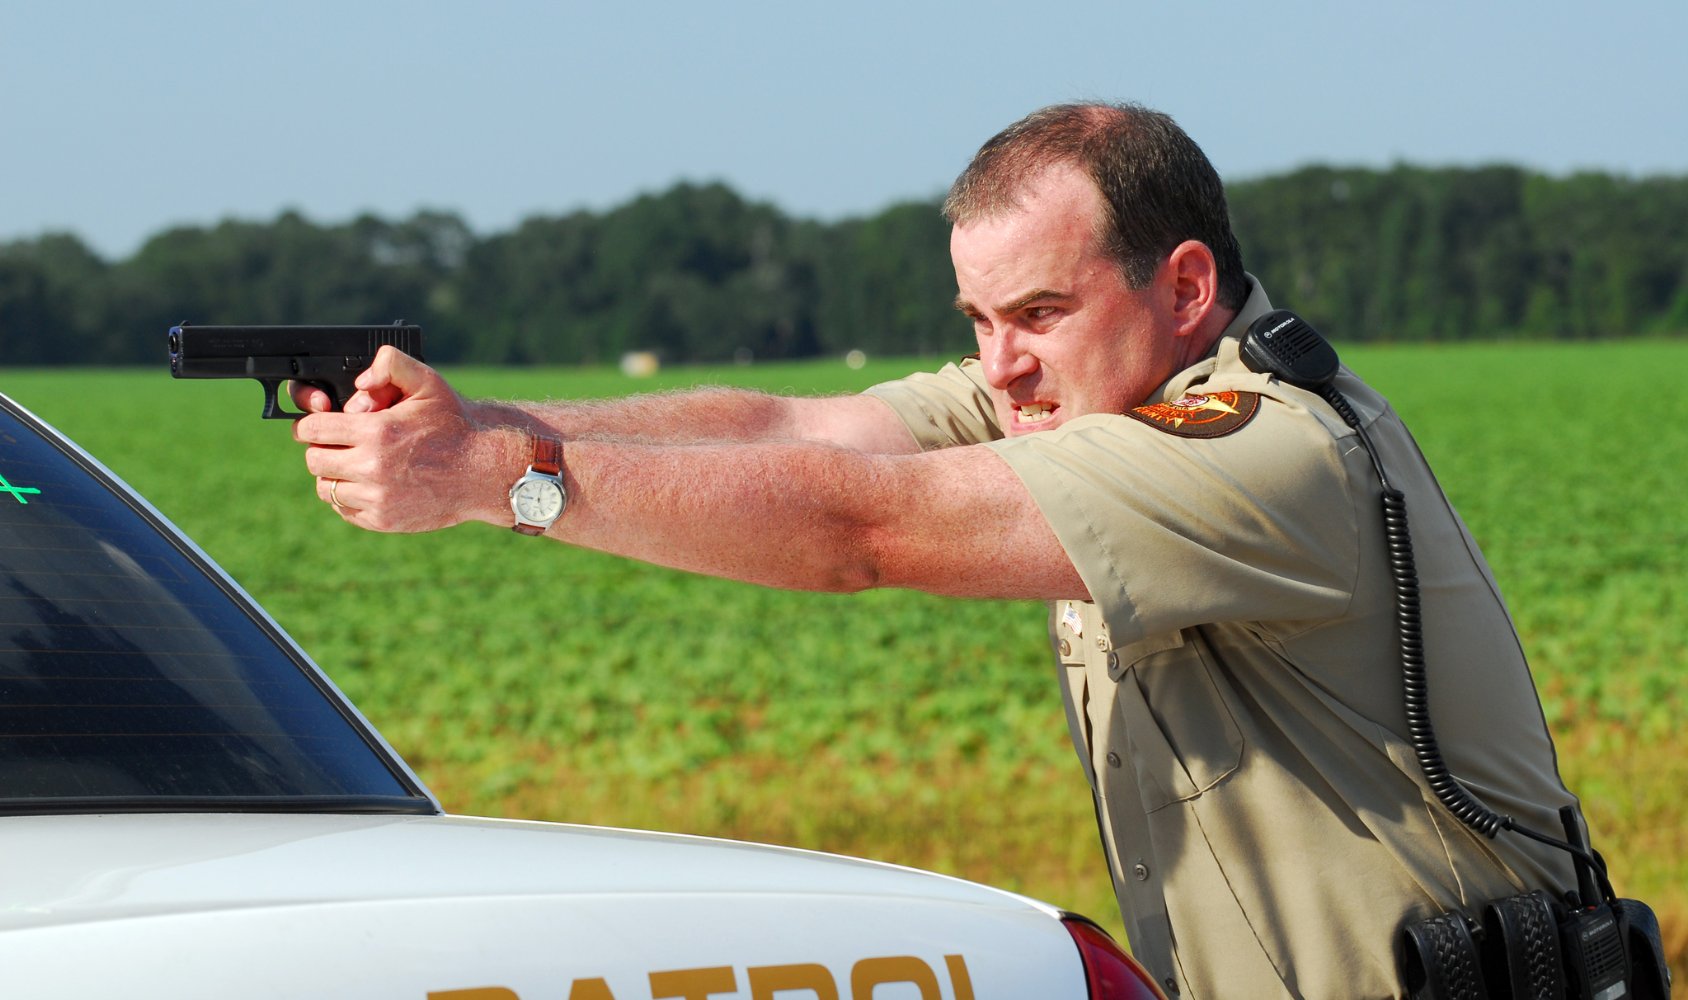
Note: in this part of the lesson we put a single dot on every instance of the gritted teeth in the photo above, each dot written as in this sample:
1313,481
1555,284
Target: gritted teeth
1031,413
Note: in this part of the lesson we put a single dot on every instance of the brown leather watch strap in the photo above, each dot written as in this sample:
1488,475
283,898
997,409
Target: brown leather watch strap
547,455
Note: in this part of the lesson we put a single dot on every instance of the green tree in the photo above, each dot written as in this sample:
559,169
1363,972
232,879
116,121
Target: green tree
288,271
54,303
698,273
886,285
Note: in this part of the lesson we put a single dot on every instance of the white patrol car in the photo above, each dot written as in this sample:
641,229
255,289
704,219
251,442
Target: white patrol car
188,808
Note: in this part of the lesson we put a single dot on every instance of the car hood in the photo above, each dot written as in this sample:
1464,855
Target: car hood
264,905
67,869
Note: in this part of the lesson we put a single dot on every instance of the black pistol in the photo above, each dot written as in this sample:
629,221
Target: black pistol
327,357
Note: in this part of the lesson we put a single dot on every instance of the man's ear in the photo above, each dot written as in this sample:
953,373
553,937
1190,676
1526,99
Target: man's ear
1193,276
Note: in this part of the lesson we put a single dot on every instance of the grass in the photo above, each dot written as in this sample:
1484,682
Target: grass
532,680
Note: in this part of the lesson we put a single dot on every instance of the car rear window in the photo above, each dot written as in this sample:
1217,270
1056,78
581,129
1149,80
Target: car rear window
133,676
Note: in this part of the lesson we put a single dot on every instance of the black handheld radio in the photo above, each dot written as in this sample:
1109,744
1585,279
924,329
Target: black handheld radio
1590,945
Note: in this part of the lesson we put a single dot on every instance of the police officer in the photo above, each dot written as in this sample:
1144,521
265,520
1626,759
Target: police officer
1207,538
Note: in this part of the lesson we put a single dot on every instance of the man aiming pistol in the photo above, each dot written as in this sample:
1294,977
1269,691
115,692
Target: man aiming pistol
1205,532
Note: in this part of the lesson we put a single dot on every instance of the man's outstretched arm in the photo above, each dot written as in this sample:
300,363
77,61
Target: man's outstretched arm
810,513
692,416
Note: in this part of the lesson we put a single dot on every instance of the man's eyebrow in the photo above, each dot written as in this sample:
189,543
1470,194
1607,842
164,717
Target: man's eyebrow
1015,304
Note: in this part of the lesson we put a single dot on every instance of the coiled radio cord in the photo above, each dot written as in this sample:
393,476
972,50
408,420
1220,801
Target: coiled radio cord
1286,346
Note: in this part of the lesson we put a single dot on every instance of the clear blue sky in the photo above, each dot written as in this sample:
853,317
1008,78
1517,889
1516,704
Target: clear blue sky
118,120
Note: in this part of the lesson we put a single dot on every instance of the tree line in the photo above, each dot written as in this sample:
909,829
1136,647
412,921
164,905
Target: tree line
698,273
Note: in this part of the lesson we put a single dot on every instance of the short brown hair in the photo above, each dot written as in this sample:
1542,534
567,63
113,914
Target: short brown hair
1157,184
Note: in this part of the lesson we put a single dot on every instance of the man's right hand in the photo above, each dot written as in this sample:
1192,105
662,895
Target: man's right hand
407,454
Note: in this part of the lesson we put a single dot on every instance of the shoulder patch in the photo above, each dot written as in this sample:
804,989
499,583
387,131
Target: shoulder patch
1199,415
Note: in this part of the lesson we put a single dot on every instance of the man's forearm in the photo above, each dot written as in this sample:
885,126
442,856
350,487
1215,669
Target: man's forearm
709,416
767,513
694,416
808,516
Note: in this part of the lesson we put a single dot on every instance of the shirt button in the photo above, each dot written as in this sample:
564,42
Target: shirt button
1113,660
1113,759
1101,642
1171,986
1140,871
1066,648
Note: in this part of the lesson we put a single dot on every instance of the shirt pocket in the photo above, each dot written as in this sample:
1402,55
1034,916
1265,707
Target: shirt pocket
1180,730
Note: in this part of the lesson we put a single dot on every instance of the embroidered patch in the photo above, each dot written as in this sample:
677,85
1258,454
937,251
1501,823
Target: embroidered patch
1196,415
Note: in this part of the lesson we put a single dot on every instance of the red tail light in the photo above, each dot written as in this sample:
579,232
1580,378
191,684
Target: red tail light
1111,973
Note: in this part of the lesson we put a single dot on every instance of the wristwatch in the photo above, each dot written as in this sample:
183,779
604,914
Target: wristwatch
538,498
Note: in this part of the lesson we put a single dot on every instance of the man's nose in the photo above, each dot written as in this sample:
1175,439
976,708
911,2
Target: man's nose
1005,358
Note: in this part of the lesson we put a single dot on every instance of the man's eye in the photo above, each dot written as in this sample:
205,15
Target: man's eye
1040,312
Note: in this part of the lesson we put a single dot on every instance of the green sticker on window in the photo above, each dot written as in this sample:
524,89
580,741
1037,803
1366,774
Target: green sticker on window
16,491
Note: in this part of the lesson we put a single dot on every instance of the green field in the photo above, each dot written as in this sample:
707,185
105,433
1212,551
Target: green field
525,679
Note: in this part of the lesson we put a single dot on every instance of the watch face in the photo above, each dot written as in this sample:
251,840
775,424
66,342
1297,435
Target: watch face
538,500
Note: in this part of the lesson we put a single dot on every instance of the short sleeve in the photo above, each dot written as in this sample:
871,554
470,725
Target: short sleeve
1168,531
951,406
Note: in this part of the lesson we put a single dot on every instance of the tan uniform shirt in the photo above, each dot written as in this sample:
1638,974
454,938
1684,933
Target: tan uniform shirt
1234,686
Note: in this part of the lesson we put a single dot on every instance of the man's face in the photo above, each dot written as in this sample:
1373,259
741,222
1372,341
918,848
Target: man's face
1060,333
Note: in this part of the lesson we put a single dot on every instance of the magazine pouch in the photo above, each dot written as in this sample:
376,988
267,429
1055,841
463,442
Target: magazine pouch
1442,961
1520,949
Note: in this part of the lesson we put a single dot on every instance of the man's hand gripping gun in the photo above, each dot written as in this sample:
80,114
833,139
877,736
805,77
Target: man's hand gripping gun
327,357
